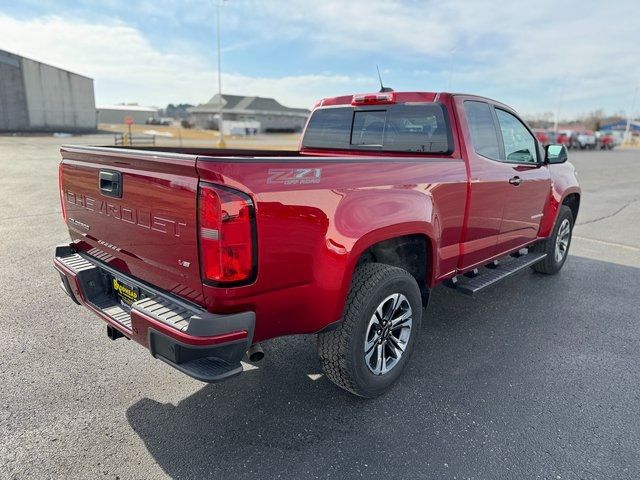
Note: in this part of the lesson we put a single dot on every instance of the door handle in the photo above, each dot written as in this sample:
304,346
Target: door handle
110,183
515,180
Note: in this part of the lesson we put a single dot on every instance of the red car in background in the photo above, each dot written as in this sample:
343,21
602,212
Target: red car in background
606,140
543,136
564,138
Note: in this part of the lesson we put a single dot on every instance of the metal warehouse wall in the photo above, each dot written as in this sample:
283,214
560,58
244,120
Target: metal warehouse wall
13,102
115,116
57,99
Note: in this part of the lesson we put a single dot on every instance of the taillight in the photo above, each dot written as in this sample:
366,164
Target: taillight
226,234
63,207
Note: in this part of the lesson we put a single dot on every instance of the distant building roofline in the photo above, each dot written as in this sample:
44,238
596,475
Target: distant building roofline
247,104
44,63
622,124
132,108
214,110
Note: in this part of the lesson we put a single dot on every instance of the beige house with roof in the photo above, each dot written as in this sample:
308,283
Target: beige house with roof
270,115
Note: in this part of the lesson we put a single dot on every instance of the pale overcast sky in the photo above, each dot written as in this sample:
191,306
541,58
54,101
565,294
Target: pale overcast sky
522,53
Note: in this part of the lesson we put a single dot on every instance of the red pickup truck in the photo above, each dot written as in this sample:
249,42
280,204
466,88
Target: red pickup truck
201,254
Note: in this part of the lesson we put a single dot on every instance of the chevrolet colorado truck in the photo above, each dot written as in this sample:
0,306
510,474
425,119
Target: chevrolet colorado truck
200,255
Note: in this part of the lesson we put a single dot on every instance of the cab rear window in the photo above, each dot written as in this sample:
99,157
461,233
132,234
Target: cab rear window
393,128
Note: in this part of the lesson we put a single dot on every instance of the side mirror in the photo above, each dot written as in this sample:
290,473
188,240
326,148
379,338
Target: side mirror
555,154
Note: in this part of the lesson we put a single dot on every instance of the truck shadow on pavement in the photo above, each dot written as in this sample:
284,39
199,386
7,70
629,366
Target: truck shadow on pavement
511,384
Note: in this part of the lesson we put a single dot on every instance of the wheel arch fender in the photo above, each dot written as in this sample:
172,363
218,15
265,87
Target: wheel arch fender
570,195
419,230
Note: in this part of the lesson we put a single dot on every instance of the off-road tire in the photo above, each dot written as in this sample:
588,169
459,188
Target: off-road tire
341,350
550,265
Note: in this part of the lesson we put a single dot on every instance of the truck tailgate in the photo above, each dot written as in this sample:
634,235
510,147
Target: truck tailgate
136,211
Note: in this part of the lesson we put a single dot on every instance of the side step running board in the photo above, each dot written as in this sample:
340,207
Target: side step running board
489,277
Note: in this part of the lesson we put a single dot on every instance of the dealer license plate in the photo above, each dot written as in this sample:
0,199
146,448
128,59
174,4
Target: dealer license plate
126,293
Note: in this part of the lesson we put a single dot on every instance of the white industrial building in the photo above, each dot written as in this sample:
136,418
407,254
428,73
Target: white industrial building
115,114
267,112
38,97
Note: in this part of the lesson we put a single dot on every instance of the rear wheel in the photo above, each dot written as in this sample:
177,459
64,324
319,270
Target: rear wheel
557,245
368,351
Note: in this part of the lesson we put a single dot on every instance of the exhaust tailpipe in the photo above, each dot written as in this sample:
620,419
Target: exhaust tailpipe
255,353
113,333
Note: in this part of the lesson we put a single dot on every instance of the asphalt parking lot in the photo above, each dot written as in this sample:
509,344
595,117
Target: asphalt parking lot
538,378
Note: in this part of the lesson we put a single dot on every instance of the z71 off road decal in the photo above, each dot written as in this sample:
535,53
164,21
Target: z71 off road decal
294,176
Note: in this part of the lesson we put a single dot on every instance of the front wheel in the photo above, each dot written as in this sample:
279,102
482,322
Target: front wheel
368,351
557,245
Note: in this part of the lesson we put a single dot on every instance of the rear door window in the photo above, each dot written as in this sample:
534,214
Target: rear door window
392,128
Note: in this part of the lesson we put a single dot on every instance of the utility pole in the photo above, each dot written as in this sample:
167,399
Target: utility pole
451,53
627,131
559,106
221,143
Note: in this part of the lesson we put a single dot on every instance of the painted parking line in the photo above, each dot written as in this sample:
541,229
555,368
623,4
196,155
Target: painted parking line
609,244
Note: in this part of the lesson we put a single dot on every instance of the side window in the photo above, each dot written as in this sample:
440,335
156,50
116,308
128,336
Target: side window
519,144
483,130
329,128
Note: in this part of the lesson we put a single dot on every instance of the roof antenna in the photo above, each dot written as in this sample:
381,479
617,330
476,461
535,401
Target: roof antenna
382,87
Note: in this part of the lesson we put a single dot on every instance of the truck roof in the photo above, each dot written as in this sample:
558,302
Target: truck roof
399,97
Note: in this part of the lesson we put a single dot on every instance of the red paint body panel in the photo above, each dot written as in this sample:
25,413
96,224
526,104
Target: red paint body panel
316,212
309,236
563,184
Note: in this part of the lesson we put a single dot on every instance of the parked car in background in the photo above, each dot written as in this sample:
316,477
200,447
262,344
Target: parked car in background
577,139
159,121
543,136
565,137
605,140
553,137
586,139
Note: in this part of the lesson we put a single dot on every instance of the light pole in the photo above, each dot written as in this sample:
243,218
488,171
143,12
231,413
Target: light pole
451,54
221,143
627,131
559,106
